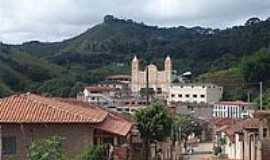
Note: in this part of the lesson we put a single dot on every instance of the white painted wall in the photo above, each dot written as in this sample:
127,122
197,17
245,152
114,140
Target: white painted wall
231,111
194,93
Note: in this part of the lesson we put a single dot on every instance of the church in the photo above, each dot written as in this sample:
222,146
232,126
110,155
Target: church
158,81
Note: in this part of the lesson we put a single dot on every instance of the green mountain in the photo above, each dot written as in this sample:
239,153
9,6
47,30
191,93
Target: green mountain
62,68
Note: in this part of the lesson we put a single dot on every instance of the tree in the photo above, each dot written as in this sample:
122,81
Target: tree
257,67
187,125
154,124
47,149
93,153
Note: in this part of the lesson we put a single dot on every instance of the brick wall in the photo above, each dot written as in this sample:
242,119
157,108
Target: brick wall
76,136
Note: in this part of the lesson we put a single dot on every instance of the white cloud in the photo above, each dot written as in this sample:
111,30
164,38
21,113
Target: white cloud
54,20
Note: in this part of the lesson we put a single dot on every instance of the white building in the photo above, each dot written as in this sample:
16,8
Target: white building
195,93
233,109
99,95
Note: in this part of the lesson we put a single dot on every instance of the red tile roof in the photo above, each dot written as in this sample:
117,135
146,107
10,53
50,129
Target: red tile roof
244,124
233,103
96,88
29,108
219,122
115,124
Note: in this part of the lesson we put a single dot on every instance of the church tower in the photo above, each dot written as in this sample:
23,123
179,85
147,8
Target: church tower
134,74
168,69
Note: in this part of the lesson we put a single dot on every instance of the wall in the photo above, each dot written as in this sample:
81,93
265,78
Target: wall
197,93
77,136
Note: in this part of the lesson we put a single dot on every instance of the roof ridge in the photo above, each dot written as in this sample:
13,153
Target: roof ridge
80,116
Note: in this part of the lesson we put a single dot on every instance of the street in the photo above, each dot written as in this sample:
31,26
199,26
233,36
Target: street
201,152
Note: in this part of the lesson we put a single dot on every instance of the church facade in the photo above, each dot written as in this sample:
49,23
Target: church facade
158,81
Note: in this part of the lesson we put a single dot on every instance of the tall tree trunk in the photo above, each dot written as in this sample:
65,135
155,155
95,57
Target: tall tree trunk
146,149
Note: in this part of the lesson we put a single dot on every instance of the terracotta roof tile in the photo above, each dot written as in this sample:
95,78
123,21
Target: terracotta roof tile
36,109
244,124
233,103
29,108
116,125
96,88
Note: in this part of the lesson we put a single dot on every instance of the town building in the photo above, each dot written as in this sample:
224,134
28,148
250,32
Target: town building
194,93
158,81
112,97
126,79
26,117
233,109
99,95
242,139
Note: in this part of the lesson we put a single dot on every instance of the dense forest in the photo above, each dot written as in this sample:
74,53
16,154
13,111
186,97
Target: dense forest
231,57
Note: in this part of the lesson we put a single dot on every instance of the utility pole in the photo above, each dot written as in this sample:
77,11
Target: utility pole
261,95
147,85
248,96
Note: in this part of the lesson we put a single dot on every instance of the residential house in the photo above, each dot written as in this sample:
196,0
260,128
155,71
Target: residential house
124,79
27,117
243,139
99,95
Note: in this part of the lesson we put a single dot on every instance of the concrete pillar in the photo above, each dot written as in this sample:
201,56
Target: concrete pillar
252,145
246,146
115,142
259,150
241,152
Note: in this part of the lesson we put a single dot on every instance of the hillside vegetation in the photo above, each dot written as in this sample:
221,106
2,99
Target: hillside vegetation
63,68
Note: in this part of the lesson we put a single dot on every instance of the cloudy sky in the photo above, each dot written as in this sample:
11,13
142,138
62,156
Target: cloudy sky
55,20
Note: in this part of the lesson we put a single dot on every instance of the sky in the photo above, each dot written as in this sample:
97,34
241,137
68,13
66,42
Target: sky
56,20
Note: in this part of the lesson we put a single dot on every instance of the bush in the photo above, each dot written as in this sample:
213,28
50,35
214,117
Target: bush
93,153
47,149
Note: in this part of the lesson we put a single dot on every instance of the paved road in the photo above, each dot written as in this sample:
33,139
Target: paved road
201,152
198,157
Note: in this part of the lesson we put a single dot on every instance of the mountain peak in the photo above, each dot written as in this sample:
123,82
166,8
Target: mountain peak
109,19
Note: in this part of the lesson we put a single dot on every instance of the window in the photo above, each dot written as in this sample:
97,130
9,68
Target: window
93,98
180,95
8,145
159,90
172,95
108,140
194,95
202,95
190,108
187,95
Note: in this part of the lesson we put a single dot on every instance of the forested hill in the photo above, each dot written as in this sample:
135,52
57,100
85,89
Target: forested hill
108,47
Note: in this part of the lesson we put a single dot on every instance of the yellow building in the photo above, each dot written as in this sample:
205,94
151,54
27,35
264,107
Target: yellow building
159,81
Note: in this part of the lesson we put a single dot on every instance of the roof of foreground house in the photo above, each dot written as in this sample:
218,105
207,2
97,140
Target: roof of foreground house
30,108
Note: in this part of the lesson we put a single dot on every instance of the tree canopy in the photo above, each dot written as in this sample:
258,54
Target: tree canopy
154,122
256,68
